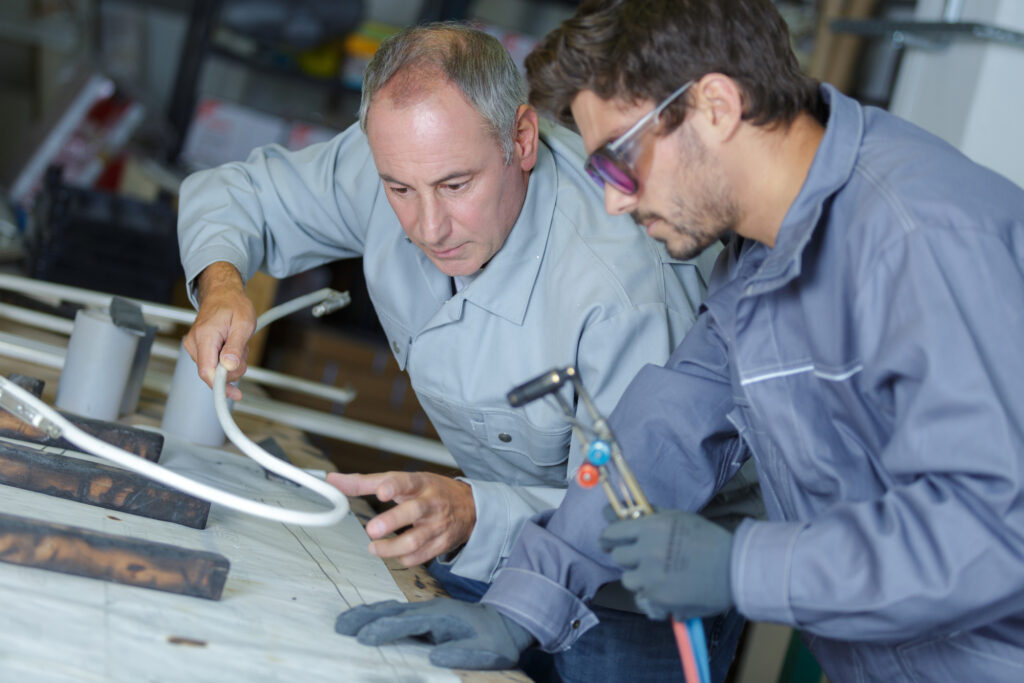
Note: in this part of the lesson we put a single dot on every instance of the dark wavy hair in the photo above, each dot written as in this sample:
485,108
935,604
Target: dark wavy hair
637,50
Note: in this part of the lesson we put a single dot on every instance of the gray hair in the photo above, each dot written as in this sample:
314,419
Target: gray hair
474,61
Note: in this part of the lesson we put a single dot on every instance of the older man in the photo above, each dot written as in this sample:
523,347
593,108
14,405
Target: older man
860,343
488,258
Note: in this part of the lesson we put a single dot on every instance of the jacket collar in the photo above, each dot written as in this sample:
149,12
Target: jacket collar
831,169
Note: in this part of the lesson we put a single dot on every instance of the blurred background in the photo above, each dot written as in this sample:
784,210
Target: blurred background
108,104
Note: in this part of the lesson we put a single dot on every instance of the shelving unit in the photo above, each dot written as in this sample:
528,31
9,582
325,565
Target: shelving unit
202,43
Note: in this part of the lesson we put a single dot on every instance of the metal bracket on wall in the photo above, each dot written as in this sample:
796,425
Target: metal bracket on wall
930,35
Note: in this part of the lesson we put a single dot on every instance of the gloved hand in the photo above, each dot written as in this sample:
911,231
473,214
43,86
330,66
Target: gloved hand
675,562
468,635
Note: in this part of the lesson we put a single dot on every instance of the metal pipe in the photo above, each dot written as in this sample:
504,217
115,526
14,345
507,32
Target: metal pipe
262,376
347,429
88,297
324,424
953,10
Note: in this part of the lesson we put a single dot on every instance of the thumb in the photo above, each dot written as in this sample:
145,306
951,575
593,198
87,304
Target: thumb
468,654
234,351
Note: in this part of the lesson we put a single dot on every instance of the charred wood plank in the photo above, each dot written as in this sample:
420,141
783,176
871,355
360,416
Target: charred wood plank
96,484
97,555
144,444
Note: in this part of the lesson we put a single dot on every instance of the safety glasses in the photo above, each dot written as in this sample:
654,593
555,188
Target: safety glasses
613,163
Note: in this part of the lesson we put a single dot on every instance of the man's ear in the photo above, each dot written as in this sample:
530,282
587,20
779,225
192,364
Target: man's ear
527,135
720,101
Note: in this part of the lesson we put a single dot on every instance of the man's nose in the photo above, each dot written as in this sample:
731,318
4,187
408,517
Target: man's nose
617,202
433,221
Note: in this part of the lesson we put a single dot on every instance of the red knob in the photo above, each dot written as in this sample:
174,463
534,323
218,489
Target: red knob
588,476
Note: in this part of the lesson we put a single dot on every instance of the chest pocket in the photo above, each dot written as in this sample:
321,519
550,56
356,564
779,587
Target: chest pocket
531,455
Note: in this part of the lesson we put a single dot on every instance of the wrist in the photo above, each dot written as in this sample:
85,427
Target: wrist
219,276
469,509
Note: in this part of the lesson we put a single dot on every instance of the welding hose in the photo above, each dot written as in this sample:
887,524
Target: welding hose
690,639
693,650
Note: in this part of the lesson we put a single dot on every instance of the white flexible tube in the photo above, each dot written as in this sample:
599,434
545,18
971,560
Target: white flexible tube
323,298
88,443
277,466
163,475
308,420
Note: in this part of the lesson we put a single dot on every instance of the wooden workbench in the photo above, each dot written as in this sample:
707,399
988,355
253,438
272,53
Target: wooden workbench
249,595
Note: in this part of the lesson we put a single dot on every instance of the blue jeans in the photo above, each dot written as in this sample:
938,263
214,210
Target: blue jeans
624,646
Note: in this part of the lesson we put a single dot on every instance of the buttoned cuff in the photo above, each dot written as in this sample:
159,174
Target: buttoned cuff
491,540
553,615
760,569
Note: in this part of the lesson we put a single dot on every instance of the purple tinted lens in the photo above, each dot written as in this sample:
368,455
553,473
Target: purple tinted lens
600,166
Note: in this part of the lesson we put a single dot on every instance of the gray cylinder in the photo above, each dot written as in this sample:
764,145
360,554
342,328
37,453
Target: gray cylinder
97,365
189,412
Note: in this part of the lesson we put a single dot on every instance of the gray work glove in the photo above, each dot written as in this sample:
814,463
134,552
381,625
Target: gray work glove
675,562
468,635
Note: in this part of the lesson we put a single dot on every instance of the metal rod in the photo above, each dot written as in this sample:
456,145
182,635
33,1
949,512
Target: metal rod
930,34
262,376
324,424
953,10
25,285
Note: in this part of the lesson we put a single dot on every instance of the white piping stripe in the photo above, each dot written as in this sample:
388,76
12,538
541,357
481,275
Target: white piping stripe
776,374
841,376
832,377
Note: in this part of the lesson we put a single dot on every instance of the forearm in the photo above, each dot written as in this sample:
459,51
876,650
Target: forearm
885,570
225,321
219,276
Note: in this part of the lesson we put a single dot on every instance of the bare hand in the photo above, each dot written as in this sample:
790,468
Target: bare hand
225,321
439,509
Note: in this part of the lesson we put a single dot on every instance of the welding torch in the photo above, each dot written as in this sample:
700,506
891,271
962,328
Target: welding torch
605,466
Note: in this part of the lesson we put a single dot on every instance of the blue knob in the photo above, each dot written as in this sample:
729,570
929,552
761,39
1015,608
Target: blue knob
599,453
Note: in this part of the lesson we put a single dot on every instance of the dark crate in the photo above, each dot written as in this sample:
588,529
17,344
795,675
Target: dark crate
105,242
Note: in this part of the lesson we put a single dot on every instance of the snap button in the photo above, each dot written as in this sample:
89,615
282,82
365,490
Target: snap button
505,437
394,346
575,624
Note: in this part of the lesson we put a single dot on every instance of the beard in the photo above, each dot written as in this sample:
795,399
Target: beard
687,239
706,215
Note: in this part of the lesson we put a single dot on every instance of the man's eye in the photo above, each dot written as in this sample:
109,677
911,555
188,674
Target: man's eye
398,190
454,187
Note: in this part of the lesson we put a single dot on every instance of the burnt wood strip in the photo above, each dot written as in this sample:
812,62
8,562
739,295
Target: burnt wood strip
96,555
144,444
96,484
32,385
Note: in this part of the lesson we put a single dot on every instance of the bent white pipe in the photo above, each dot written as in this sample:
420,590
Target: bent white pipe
44,417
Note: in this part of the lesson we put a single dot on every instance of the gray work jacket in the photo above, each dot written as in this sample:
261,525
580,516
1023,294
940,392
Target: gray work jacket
571,285
872,365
